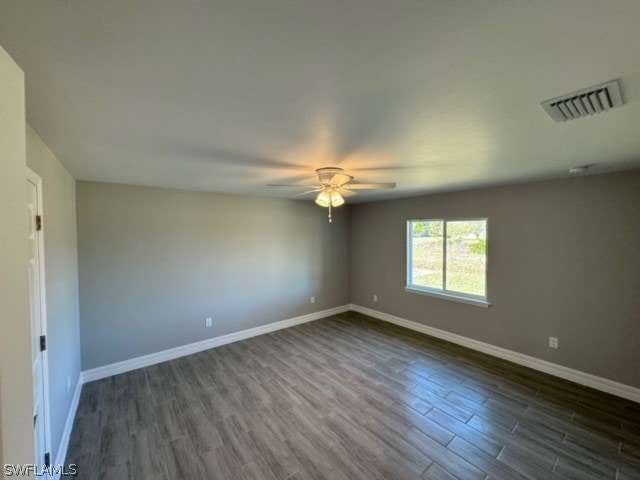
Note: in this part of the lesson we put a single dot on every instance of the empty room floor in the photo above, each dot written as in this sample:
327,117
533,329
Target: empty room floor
349,397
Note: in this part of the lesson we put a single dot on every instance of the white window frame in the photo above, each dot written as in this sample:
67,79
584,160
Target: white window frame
478,300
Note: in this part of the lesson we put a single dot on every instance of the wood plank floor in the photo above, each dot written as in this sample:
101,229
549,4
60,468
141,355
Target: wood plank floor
350,397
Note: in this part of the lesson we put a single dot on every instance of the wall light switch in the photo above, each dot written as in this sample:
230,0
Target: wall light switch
208,322
553,342
313,299
375,297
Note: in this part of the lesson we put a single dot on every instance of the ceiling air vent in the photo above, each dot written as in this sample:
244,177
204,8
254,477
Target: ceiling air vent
585,102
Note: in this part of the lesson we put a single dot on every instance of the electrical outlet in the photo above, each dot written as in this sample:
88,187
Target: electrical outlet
208,322
313,299
375,297
553,342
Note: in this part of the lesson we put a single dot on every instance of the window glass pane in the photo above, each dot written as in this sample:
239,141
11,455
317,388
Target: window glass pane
427,246
467,256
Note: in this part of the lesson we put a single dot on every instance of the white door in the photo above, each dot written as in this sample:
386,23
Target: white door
36,297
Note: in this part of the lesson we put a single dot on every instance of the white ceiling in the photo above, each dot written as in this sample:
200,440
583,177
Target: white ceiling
231,95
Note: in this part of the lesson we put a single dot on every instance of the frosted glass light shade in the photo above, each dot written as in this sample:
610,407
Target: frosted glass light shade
336,199
323,199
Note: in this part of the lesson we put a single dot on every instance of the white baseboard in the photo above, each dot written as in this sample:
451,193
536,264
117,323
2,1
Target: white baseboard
582,378
68,426
172,353
577,376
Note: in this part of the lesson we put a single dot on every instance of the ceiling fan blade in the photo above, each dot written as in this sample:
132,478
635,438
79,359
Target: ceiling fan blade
307,192
291,185
346,193
214,155
390,167
340,179
369,186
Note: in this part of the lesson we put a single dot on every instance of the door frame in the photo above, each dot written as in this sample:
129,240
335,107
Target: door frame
34,178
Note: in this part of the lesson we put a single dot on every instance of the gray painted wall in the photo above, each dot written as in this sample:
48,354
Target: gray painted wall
61,280
564,261
154,263
16,393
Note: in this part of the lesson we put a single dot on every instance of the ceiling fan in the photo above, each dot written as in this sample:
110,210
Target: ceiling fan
335,186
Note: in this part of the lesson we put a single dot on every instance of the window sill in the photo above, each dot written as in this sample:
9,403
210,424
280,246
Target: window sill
478,302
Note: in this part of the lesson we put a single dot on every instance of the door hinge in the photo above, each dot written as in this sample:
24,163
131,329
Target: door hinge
47,459
38,222
43,343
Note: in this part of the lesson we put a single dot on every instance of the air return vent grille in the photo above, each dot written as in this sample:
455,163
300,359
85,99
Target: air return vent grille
585,102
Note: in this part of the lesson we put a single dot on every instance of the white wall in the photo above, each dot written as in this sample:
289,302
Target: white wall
61,280
16,392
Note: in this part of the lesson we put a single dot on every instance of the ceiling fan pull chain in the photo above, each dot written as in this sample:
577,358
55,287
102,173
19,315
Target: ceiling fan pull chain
329,211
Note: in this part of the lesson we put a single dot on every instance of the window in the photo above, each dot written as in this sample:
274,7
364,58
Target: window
448,258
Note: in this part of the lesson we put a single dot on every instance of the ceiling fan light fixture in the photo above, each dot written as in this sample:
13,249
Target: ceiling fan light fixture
329,197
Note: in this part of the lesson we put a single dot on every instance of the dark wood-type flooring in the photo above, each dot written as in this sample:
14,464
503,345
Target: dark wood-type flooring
349,397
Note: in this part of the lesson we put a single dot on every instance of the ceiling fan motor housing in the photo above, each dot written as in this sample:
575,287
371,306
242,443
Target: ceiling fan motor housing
325,174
